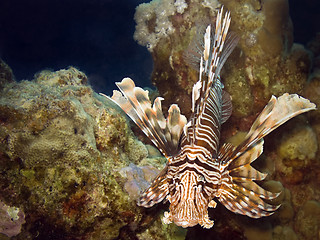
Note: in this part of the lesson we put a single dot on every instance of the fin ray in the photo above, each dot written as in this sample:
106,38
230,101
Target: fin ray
164,133
158,190
211,106
252,186
276,112
247,172
238,192
226,107
243,201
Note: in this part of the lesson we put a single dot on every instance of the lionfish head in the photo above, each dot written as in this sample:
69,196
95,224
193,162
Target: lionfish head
188,205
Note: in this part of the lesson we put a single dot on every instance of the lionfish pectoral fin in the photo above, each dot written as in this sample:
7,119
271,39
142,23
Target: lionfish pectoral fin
164,133
156,192
276,112
240,200
239,192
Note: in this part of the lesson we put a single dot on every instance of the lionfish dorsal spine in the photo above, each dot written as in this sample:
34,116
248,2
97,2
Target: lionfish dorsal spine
211,105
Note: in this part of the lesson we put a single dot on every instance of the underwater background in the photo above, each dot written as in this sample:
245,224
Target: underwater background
72,165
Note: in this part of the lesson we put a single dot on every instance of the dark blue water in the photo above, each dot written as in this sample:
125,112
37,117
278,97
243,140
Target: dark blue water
95,36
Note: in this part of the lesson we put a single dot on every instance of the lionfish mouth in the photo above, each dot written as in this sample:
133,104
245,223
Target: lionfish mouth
185,222
186,214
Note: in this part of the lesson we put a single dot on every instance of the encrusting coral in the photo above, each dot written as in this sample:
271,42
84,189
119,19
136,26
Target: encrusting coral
62,149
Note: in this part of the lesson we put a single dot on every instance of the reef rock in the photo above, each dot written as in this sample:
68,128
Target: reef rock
62,149
6,74
308,221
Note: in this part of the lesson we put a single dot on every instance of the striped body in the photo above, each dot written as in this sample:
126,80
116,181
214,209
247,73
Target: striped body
194,181
195,173
199,169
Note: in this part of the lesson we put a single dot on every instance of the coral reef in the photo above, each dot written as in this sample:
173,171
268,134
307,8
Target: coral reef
308,220
166,28
72,168
300,143
62,150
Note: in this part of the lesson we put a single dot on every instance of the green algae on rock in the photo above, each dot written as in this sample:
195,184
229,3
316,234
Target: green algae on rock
62,148
299,146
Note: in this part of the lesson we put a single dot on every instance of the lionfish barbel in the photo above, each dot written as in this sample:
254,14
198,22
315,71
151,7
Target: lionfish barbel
198,171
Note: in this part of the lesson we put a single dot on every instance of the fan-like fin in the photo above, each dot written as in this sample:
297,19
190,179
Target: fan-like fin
275,113
156,192
238,191
252,186
164,133
244,158
243,201
246,172
175,124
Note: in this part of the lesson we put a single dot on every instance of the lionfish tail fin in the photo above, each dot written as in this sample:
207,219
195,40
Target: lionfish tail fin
239,192
164,133
275,113
156,192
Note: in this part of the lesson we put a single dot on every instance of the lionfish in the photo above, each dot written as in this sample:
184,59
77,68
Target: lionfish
198,171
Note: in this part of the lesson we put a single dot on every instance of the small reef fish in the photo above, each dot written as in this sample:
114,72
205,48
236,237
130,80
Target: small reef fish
199,170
